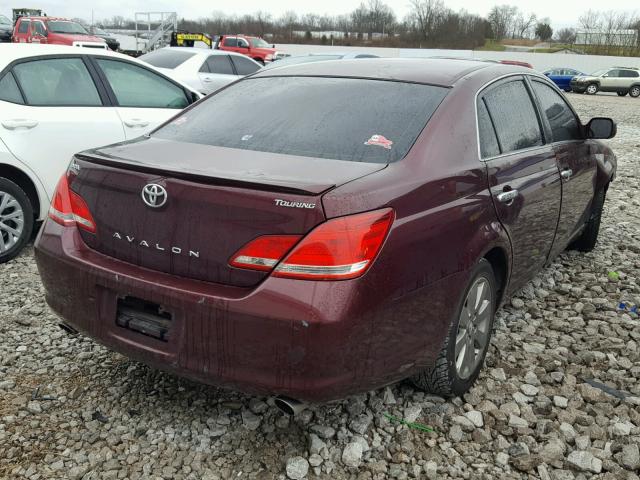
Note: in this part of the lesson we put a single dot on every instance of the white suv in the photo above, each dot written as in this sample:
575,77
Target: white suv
621,80
58,100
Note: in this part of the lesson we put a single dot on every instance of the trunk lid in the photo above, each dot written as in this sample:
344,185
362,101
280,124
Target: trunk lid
217,200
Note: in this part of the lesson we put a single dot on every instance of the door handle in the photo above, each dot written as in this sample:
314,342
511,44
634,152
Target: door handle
136,123
507,197
566,174
16,123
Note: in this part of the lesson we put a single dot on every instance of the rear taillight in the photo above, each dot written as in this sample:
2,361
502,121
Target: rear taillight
264,252
69,209
338,249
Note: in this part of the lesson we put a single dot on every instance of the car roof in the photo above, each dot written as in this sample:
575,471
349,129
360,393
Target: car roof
442,72
14,51
44,19
202,51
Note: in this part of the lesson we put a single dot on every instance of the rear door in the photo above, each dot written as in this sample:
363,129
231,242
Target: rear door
143,99
576,164
216,72
21,34
523,175
51,108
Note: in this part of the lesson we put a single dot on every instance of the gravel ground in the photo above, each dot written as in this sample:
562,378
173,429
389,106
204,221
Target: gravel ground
71,409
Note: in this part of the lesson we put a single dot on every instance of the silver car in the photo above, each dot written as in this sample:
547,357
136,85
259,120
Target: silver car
621,80
202,69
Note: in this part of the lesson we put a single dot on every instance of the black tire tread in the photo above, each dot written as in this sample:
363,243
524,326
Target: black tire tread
437,379
587,240
15,190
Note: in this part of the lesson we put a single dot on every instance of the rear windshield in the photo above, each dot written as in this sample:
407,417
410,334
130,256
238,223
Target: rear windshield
167,58
334,118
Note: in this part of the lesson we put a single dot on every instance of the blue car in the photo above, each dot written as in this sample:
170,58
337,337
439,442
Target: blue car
562,77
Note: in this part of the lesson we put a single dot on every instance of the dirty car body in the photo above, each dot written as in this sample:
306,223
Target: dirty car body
172,227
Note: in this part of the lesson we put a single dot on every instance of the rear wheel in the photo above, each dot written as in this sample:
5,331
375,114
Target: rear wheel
462,355
592,89
589,237
635,91
16,220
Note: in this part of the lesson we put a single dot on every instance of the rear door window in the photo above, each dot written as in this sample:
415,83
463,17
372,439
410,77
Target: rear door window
488,141
244,66
564,124
220,64
167,58
57,82
9,91
335,118
135,86
24,26
514,116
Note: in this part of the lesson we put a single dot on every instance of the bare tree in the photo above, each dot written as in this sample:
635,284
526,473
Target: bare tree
502,18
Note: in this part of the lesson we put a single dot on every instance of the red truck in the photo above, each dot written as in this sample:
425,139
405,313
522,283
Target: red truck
54,31
253,47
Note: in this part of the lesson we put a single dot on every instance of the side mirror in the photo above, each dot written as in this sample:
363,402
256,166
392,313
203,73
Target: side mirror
601,128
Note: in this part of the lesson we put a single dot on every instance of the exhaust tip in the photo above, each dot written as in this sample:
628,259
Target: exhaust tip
68,328
289,406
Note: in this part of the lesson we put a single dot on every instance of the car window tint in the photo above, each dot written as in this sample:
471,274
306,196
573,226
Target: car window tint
613,73
9,91
628,74
378,127
24,27
220,64
488,141
564,125
244,66
135,86
231,42
514,117
242,43
167,58
57,82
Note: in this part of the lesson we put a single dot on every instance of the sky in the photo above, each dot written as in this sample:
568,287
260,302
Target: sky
562,13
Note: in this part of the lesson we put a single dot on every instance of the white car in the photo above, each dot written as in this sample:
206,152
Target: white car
56,101
202,69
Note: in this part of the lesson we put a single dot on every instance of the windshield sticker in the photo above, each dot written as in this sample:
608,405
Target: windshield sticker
379,141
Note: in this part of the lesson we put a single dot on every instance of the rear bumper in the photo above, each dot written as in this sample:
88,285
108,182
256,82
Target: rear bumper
313,341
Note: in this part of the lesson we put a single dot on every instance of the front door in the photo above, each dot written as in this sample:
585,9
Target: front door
577,166
522,172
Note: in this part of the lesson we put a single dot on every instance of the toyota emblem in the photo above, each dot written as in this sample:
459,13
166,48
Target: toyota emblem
154,195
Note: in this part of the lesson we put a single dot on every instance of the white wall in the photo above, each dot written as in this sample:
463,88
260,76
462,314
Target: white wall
540,61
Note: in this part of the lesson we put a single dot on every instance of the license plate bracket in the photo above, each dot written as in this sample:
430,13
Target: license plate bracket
144,317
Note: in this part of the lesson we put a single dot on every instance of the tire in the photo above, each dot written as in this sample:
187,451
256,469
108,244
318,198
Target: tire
635,91
16,220
445,378
592,89
621,94
589,236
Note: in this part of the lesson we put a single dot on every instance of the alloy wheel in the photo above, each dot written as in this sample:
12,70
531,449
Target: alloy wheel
472,335
11,221
635,92
592,89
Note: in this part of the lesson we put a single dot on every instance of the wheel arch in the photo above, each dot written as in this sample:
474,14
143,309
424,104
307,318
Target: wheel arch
499,261
25,182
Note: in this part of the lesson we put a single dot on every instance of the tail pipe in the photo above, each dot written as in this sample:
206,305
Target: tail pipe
289,406
68,328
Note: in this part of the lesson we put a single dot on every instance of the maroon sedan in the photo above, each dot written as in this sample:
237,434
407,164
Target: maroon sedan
348,225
